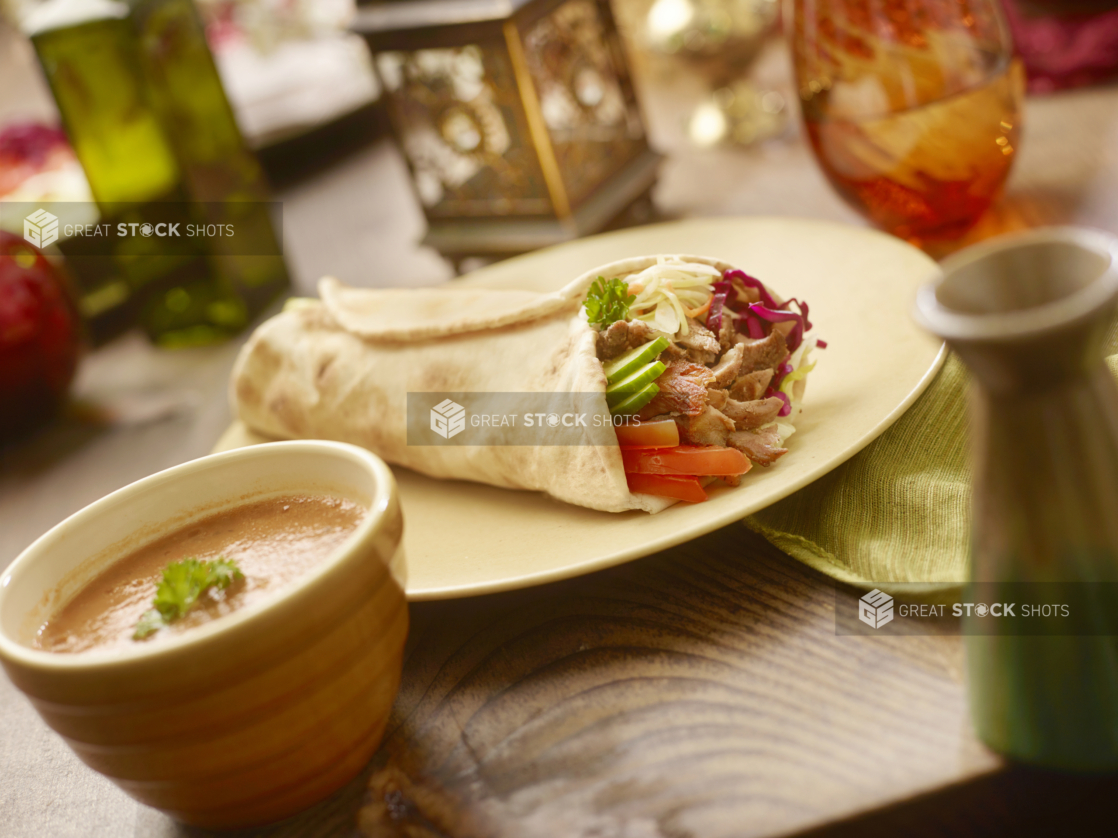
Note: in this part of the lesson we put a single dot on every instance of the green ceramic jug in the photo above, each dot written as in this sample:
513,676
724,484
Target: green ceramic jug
1029,314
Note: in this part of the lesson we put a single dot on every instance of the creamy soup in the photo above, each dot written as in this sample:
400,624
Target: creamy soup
273,542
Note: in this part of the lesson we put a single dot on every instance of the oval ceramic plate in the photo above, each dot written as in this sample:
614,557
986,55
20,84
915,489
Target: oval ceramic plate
463,539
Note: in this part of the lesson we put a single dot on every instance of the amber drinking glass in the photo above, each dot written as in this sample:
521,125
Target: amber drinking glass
913,107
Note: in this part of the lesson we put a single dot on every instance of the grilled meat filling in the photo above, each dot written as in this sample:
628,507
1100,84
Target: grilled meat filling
711,427
622,336
763,354
762,447
754,414
683,390
729,366
700,343
714,385
751,385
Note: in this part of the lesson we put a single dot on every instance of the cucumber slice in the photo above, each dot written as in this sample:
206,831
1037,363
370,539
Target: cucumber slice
638,400
634,359
634,383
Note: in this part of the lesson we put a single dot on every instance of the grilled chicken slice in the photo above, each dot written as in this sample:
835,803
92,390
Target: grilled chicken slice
727,369
762,447
711,427
622,336
727,332
613,341
764,353
752,414
683,389
700,343
751,386
640,333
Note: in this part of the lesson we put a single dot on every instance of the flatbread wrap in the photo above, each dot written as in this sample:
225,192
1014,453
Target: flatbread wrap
694,370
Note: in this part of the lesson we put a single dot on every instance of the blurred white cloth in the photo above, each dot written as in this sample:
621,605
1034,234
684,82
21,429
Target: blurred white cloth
297,85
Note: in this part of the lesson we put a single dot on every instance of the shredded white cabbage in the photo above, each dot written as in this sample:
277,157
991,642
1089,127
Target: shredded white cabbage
671,291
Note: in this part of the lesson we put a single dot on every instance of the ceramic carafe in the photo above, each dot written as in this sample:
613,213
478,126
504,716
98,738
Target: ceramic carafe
1029,315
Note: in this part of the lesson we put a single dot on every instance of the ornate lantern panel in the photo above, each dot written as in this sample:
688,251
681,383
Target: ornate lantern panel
585,98
460,123
517,117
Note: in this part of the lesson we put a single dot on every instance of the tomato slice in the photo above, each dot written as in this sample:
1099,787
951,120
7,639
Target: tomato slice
700,460
662,434
680,488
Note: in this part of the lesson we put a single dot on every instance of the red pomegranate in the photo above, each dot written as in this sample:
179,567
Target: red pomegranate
39,338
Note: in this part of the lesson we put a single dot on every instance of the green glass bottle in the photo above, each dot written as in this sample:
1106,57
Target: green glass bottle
143,106
90,62
220,173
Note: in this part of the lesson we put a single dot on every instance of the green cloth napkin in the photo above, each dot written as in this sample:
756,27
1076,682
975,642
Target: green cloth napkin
896,515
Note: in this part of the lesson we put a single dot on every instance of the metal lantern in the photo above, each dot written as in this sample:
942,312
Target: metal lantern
517,118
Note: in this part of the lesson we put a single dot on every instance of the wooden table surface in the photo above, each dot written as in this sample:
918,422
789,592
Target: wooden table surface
700,692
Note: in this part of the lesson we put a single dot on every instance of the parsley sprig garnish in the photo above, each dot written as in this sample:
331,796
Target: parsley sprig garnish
608,302
183,583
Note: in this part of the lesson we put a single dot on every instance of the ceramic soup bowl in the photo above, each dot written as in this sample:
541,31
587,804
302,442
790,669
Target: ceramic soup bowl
248,718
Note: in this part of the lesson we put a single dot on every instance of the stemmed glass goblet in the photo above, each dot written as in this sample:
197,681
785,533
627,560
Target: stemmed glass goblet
913,108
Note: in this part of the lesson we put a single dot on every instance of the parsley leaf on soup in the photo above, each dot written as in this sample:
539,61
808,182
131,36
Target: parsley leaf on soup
182,584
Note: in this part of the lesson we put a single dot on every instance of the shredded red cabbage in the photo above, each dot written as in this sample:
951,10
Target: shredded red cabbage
796,336
778,377
722,290
784,411
754,315
754,283
820,344
774,388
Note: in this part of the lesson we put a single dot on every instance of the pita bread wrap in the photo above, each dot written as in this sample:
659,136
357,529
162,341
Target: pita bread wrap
342,368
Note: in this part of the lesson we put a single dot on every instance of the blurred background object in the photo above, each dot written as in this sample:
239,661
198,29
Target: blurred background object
349,198
518,119
39,339
1065,43
721,39
913,107
1015,310
37,164
288,66
739,113
145,112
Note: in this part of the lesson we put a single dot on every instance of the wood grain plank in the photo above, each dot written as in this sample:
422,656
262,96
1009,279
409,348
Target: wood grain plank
700,691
